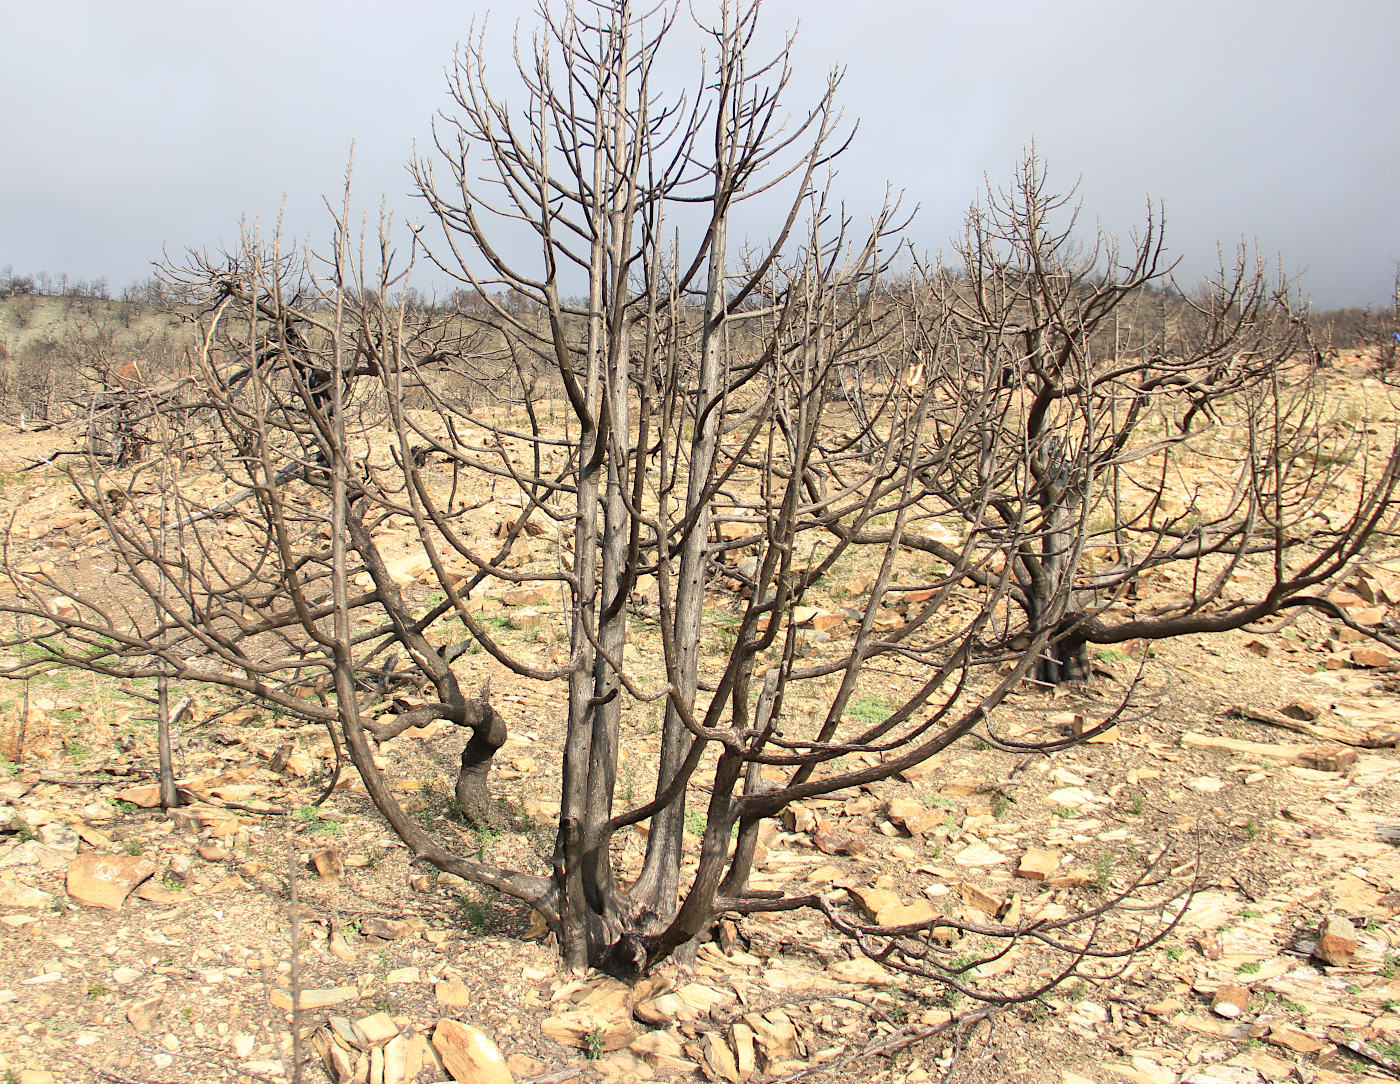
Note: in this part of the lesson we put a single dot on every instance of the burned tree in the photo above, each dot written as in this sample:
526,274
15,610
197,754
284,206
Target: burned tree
737,423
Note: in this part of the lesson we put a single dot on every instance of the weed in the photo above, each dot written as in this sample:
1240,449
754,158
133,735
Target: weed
187,1012
1107,654
329,828
1390,965
1000,804
1064,812
1103,873
9,767
1077,990
1372,924
594,1044
1137,804
1391,1004
485,836
1251,830
96,990
386,1004
476,916
1250,968
695,822
1038,1011
124,807
1250,913
133,846
1253,1043
1174,952
869,709
1390,1048
173,884
1353,989
979,744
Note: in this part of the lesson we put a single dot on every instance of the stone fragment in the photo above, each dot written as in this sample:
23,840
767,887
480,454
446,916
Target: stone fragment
105,880
454,994
338,1062
861,969
975,896
403,1058
719,1058
1367,656
313,999
590,1030
147,796
328,863
980,854
385,929
741,1038
142,1014
19,894
914,817
1230,1001
340,948
1288,1037
1037,864
1336,942
469,1055
374,1030
662,1050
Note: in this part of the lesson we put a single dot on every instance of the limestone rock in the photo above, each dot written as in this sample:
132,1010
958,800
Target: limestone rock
469,1055
1230,1001
375,1030
313,999
914,817
591,1030
328,863
105,880
1336,943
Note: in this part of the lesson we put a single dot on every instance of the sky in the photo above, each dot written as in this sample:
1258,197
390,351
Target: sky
134,129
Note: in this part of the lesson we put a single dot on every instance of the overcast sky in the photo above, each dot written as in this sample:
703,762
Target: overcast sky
135,127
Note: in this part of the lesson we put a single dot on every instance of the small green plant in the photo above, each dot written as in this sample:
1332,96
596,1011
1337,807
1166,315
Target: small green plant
1174,952
476,916
1391,1004
1390,965
1064,812
1077,990
307,813
9,767
1103,873
1390,1048
869,709
595,1044
384,1003
1108,654
1000,804
1038,1010
173,884
1250,913
1251,830
1137,804
1293,1006
1253,1043
187,1012
133,846
1250,968
695,822
124,807
1372,924
96,990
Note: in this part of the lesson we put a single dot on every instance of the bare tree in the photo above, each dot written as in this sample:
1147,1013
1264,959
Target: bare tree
738,422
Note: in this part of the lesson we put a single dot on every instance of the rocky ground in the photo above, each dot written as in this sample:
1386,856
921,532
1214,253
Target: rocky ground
252,926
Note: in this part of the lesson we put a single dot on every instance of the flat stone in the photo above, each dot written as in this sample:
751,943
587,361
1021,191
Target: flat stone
313,999
105,880
861,969
454,994
375,1030
469,1055
1037,864
1288,1037
18,894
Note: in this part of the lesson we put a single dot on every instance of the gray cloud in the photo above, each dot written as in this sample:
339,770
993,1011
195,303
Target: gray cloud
142,126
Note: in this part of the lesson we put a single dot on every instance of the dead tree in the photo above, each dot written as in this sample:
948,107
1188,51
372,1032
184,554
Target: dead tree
712,452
